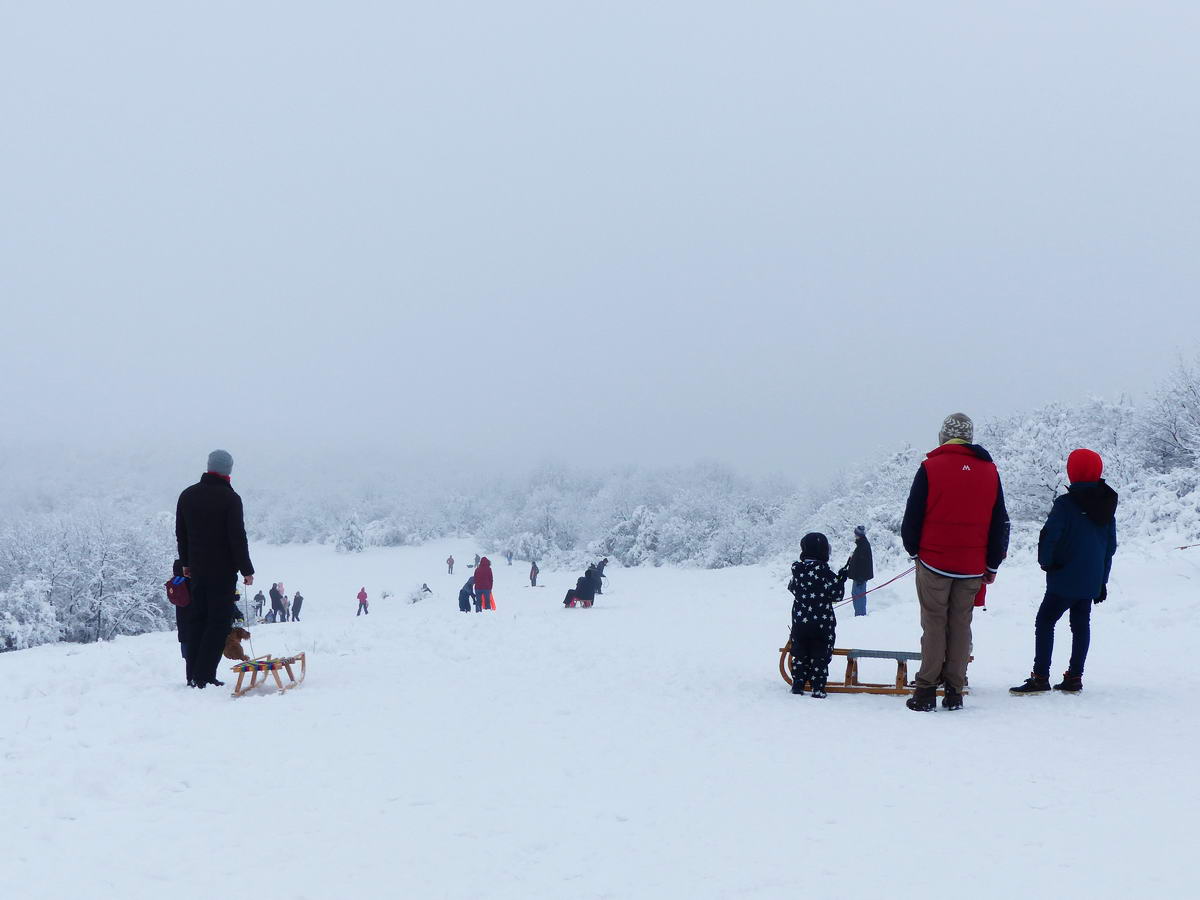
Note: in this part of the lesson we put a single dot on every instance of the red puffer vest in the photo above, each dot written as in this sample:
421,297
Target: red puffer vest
483,575
958,512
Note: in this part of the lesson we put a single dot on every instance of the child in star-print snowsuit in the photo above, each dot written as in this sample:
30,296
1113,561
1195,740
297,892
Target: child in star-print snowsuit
816,589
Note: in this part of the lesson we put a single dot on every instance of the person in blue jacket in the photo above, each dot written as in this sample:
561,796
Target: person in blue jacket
1075,550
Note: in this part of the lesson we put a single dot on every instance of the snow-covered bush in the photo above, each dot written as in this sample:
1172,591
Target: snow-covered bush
27,616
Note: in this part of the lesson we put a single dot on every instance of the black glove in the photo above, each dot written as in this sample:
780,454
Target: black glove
1103,594
844,572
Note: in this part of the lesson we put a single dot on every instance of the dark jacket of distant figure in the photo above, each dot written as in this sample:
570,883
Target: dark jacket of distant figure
862,565
276,599
297,602
210,530
955,522
1078,540
483,575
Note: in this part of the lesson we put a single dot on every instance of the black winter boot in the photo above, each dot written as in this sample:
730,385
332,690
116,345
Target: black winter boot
797,686
924,699
952,699
1034,684
1071,684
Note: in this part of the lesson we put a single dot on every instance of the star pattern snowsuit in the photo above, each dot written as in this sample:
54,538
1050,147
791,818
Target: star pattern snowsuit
816,589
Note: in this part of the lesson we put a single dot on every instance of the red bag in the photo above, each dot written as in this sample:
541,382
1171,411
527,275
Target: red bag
178,592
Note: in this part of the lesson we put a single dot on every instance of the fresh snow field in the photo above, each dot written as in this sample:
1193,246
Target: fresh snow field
644,748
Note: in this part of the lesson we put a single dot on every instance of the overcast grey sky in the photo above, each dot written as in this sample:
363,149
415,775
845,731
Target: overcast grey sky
781,235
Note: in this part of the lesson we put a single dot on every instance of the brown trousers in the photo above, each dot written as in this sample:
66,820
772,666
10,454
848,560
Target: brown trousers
947,605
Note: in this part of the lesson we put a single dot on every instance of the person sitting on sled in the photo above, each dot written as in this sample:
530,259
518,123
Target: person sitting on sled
816,589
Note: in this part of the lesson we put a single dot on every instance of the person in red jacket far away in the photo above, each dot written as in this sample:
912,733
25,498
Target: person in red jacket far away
956,529
362,603
483,585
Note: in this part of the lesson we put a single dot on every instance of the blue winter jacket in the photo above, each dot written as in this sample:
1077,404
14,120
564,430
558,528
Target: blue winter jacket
1078,541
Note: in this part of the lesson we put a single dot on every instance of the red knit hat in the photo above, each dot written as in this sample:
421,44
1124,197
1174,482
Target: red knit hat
1084,465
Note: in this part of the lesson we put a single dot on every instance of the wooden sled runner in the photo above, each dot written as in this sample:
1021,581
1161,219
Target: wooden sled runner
850,684
273,665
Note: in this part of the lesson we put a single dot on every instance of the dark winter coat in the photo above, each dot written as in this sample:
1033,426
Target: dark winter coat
862,565
955,521
816,589
210,529
483,575
276,600
297,602
585,588
593,576
467,594
1078,541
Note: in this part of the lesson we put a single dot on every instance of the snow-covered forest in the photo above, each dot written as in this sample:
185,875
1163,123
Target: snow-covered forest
84,558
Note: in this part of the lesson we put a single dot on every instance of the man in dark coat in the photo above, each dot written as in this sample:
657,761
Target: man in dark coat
861,569
956,529
211,532
259,600
533,573
297,602
600,576
1075,550
276,603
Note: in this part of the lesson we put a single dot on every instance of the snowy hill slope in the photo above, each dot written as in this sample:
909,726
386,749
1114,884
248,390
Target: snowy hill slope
645,748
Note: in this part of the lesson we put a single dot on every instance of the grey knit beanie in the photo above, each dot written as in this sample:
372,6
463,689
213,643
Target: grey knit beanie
957,425
220,462
860,530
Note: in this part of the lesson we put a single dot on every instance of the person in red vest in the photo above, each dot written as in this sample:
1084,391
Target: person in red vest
956,529
483,585
362,603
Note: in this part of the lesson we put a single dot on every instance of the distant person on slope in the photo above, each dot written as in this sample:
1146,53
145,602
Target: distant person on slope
483,585
600,576
862,570
211,533
259,602
509,556
297,602
956,528
533,573
450,565
466,596
476,564
276,604
1075,550
815,589
362,603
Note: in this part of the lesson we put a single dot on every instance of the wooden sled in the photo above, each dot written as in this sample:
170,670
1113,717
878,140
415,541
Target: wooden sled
850,684
273,665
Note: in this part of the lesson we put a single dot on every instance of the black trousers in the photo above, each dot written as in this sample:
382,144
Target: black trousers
211,617
812,651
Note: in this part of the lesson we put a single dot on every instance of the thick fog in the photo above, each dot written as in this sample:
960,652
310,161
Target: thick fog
781,235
